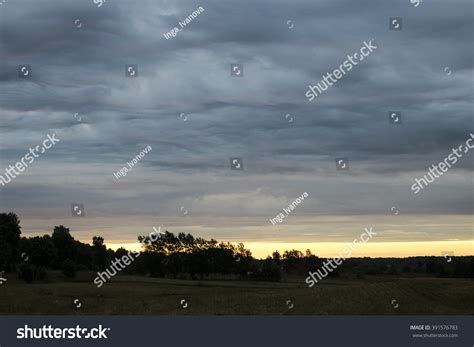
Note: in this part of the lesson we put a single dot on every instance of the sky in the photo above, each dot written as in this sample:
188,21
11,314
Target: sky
195,116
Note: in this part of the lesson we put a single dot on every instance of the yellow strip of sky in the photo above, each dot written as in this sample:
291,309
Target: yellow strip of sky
332,249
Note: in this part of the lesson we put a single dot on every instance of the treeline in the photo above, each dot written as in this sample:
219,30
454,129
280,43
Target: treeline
165,255
31,257
187,257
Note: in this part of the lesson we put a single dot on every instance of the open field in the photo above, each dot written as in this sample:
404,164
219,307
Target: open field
143,295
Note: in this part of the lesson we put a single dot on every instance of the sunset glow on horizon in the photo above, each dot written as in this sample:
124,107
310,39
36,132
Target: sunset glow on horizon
332,249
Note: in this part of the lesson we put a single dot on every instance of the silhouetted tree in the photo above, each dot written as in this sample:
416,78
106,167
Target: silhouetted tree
65,245
83,256
99,252
40,250
292,260
10,232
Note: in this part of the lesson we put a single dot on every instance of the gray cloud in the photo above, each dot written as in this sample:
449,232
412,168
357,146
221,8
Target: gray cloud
83,71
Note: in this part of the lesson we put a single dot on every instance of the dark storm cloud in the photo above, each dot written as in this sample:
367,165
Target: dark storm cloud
82,70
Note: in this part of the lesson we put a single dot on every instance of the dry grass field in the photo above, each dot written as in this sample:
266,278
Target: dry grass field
135,295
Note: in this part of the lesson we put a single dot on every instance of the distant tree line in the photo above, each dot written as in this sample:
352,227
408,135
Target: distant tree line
187,257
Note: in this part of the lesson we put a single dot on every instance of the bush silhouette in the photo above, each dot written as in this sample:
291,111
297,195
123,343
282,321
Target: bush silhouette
26,272
69,268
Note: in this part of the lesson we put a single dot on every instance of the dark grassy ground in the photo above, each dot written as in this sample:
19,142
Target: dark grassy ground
142,295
